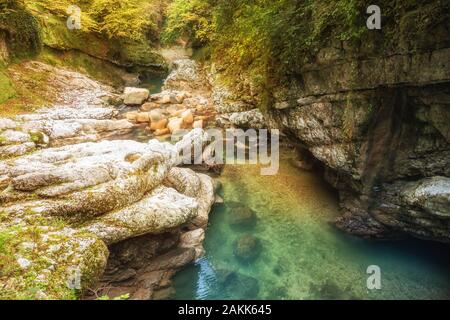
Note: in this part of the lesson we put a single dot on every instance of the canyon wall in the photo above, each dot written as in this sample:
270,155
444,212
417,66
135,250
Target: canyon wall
379,123
381,128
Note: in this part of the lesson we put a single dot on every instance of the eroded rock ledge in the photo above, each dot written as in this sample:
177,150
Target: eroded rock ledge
82,113
62,207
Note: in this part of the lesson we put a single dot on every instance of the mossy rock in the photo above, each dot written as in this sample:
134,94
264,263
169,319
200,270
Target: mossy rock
48,262
39,138
22,29
6,88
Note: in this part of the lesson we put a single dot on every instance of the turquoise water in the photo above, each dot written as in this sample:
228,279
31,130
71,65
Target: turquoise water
302,255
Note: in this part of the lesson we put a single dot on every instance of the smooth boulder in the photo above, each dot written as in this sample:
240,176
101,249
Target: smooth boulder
135,96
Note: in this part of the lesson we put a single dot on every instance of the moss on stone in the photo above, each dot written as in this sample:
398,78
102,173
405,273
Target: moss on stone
98,69
30,87
117,32
35,262
6,88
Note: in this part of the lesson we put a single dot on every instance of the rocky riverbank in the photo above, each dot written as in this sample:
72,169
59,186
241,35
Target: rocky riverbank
86,214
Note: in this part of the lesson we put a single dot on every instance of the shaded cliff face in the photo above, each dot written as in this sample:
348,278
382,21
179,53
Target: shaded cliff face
379,121
380,125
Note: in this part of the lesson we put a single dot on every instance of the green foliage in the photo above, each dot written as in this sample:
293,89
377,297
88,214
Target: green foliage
110,30
101,70
126,19
133,20
271,40
23,90
262,37
189,19
11,246
21,28
5,236
125,296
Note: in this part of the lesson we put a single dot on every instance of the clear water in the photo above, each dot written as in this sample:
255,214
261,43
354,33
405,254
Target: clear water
303,255
153,83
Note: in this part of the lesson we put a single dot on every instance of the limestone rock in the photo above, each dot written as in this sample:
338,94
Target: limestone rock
198,124
148,106
184,76
175,124
62,132
70,113
187,116
102,193
432,195
161,210
252,119
195,185
159,125
15,141
142,117
226,102
156,115
135,96
185,181
161,132
194,239
131,116
385,151
56,260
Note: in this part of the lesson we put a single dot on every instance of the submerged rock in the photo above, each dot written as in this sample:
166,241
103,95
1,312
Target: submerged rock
241,216
236,284
224,275
247,248
241,286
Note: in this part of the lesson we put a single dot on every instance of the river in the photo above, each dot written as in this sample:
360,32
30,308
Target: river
303,256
